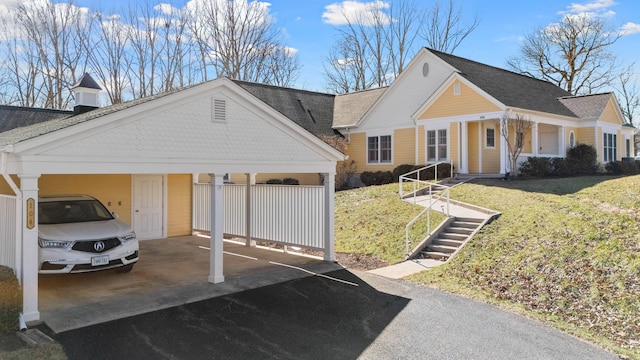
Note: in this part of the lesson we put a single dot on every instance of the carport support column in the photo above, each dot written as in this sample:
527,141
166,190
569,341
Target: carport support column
217,229
251,181
329,217
30,261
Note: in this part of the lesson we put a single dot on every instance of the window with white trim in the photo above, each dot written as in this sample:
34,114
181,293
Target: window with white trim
456,89
379,149
609,147
572,140
437,145
490,138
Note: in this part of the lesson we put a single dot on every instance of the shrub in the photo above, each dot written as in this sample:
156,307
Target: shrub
274,181
559,167
536,167
582,160
403,169
613,167
290,181
10,300
376,178
344,172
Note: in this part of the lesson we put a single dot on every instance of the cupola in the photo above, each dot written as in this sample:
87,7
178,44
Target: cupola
86,94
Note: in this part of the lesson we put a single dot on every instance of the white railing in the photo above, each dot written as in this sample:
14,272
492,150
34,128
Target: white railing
443,197
414,178
290,215
8,231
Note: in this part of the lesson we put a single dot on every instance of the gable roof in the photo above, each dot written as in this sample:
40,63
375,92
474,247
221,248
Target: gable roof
313,111
511,89
588,107
350,108
13,117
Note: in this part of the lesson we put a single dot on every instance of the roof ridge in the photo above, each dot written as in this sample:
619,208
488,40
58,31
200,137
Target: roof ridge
586,95
280,87
491,66
365,90
26,108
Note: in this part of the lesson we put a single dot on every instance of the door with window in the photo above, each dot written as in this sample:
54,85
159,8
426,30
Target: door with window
148,206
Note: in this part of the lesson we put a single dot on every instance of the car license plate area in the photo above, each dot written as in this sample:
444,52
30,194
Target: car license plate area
100,260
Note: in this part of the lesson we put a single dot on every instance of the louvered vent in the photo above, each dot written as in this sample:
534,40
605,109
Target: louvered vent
219,110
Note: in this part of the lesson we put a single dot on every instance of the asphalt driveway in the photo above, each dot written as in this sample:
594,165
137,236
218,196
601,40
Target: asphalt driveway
340,316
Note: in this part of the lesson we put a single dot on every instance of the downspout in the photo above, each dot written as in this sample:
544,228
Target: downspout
16,190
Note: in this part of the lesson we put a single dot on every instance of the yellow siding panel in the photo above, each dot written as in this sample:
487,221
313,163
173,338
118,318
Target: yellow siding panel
114,191
5,189
357,151
610,116
585,136
179,197
404,150
422,151
454,146
467,102
472,134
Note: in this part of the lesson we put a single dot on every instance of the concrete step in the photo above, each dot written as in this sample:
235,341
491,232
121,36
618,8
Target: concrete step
470,220
448,242
463,224
442,248
434,255
458,230
453,236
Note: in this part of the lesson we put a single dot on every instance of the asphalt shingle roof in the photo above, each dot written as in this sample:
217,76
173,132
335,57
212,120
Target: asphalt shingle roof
588,107
511,89
13,117
350,108
311,110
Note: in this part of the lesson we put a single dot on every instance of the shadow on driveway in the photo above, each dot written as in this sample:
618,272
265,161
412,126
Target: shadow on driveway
332,316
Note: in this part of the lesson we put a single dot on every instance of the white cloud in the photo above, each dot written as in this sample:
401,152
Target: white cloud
630,28
593,6
356,12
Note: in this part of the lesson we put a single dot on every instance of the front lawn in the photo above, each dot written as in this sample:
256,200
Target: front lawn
566,251
371,221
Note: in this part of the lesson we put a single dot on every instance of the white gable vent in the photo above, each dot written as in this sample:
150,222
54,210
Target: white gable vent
219,110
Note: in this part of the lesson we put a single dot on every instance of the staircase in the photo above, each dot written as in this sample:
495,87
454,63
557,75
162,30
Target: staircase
449,239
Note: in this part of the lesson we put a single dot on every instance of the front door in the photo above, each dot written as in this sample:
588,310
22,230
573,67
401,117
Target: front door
148,206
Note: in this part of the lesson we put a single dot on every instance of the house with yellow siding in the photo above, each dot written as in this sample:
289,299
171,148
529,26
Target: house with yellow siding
444,108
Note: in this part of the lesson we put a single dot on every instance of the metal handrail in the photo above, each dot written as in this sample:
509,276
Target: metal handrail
417,181
427,209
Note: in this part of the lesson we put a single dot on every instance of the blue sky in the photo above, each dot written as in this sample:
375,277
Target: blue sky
503,23
309,29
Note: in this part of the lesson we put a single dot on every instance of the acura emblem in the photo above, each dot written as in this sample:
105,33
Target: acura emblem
98,246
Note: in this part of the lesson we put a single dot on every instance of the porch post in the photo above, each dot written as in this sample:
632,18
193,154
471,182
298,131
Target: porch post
464,161
329,214
30,259
251,181
504,154
534,139
217,229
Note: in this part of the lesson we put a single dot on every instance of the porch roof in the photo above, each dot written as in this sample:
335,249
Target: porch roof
588,107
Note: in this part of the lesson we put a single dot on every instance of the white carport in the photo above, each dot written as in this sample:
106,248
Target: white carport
215,128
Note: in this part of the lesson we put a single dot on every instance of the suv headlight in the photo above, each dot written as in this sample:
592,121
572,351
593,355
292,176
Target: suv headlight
54,244
127,237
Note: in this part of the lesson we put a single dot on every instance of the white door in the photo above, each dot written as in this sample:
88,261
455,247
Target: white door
148,206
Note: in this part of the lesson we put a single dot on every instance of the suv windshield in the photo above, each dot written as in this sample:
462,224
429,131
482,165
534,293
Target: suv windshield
71,211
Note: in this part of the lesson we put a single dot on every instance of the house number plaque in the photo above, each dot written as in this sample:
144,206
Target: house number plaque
31,213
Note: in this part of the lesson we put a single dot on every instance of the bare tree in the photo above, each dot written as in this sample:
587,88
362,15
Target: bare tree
573,54
444,29
629,93
109,56
239,39
514,129
371,48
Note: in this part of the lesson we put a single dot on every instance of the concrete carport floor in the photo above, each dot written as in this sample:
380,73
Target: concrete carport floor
170,272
